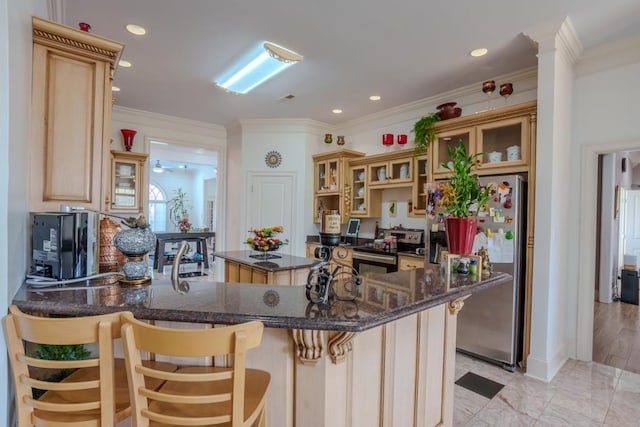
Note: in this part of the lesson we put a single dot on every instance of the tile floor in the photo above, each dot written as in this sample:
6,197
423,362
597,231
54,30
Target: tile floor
581,394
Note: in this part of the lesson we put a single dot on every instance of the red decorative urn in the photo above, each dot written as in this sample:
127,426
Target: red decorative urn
128,135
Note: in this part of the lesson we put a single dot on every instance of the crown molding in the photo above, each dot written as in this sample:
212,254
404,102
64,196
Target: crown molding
55,10
611,55
553,35
279,126
162,121
465,95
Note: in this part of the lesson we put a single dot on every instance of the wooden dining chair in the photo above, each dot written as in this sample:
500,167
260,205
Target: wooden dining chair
196,395
95,393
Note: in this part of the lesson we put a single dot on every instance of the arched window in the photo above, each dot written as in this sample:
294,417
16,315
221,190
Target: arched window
157,209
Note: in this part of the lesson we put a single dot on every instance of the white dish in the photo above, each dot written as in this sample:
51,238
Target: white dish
494,156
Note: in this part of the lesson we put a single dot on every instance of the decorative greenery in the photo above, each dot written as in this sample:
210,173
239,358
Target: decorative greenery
178,205
462,192
58,352
425,132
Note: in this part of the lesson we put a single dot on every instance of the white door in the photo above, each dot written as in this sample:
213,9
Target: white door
272,202
631,226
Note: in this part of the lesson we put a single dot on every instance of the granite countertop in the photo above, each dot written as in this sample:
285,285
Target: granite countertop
284,262
383,299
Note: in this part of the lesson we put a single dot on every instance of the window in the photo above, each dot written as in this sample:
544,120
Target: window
157,209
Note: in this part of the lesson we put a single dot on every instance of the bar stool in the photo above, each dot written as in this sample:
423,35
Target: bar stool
96,393
196,395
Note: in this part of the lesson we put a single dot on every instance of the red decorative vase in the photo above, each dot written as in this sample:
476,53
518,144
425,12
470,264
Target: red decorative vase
461,233
128,135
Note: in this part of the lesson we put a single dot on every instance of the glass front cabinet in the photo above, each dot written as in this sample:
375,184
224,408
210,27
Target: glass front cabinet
365,203
128,178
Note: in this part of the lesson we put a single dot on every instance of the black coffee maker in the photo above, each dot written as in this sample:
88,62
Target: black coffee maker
437,243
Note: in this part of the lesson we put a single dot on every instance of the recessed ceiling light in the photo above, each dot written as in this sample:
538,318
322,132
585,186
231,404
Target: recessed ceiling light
478,52
123,63
375,97
336,111
136,29
115,89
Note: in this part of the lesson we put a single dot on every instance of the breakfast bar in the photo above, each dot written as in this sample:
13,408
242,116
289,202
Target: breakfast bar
385,359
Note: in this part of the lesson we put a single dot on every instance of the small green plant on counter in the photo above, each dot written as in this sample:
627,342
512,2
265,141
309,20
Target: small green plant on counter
425,132
462,191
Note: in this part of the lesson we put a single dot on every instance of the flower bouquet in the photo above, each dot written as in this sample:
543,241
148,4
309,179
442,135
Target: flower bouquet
264,240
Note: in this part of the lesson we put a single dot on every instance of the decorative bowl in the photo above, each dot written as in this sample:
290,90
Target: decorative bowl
448,110
264,240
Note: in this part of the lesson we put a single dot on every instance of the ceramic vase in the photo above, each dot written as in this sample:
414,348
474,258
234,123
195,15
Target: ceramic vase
127,138
460,233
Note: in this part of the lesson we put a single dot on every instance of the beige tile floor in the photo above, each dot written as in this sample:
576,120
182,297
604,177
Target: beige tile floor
581,394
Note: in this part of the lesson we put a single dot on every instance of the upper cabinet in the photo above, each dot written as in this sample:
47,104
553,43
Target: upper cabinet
421,178
128,181
503,138
332,186
393,169
364,202
70,116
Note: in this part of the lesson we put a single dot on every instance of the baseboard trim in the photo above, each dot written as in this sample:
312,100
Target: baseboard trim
544,370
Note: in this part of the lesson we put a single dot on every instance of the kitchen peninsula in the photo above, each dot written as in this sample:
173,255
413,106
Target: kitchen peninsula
385,359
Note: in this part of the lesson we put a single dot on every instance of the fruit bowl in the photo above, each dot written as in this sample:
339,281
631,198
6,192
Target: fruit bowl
264,240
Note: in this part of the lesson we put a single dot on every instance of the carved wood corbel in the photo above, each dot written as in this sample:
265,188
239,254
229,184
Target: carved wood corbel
340,345
309,345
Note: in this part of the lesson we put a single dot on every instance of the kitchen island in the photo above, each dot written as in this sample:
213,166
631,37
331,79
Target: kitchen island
272,268
385,359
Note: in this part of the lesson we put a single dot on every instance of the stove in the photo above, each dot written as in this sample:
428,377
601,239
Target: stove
372,259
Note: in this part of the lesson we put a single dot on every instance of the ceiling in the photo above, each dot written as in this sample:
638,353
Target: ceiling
403,50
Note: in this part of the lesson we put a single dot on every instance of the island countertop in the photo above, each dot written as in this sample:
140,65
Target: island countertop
383,299
266,263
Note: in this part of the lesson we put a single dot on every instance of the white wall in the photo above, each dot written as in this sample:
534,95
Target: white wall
15,98
597,127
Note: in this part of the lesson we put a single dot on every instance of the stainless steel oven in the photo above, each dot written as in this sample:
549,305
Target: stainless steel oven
374,262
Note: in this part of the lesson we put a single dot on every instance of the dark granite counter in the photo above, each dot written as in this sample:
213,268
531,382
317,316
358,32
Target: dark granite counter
284,262
383,299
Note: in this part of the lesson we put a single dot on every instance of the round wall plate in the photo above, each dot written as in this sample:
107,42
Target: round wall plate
273,159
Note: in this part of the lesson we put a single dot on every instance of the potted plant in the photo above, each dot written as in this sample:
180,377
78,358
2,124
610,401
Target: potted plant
425,132
178,206
463,198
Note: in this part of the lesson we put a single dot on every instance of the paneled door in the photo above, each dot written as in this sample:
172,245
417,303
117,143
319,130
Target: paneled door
631,233
272,202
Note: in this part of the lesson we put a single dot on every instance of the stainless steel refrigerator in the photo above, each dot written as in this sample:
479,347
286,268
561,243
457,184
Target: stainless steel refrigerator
490,324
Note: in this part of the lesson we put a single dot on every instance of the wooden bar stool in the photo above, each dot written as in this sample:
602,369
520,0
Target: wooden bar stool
196,395
96,393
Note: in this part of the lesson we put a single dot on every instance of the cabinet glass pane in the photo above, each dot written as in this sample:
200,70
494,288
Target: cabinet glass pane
450,142
359,189
322,176
125,185
505,140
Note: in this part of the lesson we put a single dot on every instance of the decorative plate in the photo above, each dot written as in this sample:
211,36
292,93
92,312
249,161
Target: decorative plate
273,159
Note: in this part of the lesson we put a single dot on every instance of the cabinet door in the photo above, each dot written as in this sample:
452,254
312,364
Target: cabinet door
400,171
419,194
128,181
359,191
504,143
409,263
327,176
378,174
450,140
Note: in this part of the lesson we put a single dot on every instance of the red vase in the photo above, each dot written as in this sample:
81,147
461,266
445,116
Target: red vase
128,135
461,233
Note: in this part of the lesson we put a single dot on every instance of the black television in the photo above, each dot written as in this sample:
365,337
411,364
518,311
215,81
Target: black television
352,227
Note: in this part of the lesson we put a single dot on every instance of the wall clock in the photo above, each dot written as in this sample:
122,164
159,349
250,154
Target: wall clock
273,159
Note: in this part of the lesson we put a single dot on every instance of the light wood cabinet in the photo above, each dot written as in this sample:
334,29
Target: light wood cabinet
364,203
406,262
237,272
128,181
332,186
421,178
70,116
391,170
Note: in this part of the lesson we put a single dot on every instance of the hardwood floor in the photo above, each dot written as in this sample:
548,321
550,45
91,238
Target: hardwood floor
616,335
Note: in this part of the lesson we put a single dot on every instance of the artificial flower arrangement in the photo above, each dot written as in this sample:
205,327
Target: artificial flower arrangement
264,239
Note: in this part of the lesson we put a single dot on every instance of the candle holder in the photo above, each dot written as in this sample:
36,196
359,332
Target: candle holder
127,138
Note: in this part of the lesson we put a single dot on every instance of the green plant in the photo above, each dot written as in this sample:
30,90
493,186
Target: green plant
425,132
178,205
462,192
58,352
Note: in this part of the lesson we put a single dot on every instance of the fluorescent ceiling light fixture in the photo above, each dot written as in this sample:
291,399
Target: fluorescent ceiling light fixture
375,97
124,63
115,89
158,142
336,111
262,63
158,167
136,29
478,52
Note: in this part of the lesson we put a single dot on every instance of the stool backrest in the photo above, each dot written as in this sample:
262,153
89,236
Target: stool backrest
196,387
92,393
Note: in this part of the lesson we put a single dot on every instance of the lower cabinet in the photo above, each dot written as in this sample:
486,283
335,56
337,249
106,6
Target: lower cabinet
235,272
342,254
410,262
